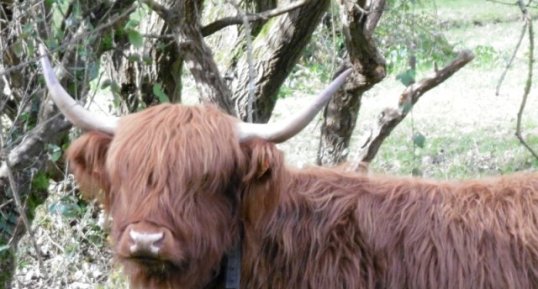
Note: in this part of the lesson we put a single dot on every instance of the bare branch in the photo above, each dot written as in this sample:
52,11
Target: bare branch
163,12
32,144
528,83
74,40
503,75
238,20
391,117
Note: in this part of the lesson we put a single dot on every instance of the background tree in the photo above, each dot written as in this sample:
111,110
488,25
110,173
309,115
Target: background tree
33,132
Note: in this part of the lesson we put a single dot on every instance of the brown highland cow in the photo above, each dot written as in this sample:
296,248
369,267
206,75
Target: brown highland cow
184,186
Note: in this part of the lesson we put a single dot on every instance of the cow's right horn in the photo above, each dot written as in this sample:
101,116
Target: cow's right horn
73,111
283,130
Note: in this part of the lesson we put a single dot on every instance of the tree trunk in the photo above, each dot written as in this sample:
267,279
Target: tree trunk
240,46
183,20
341,113
137,70
391,117
339,118
276,49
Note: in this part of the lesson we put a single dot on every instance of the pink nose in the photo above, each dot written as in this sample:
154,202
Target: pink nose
145,243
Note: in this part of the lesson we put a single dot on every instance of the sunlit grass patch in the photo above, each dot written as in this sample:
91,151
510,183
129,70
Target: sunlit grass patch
466,12
456,155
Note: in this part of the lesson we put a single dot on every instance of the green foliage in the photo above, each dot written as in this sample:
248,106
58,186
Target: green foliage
410,31
135,38
115,89
416,172
107,42
6,261
285,91
159,93
40,181
68,207
407,77
54,152
132,25
136,17
419,139
7,223
485,56
323,54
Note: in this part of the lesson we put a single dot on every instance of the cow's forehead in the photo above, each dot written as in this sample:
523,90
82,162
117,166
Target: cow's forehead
174,141
178,120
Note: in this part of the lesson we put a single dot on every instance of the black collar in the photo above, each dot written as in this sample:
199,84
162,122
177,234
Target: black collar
233,267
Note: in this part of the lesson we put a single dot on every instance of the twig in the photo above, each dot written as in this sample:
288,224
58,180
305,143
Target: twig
251,71
503,75
237,20
6,203
528,83
72,41
391,117
58,246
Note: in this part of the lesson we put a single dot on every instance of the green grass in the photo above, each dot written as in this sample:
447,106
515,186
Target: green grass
455,156
469,12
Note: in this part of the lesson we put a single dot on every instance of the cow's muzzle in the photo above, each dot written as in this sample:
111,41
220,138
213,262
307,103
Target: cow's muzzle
144,241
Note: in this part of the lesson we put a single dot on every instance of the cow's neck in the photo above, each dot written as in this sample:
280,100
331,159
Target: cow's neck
228,275
314,216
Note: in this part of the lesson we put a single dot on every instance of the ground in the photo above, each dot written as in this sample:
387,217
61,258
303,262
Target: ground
469,133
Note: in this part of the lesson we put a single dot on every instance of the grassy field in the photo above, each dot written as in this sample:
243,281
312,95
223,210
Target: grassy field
466,12
469,129
469,132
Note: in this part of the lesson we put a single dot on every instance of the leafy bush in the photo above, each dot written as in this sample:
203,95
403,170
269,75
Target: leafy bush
410,33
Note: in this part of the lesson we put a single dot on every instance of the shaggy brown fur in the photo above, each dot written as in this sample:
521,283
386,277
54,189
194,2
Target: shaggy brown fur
183,169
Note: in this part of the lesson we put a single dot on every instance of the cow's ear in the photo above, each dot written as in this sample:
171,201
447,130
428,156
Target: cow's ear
263,179
264,160
87,158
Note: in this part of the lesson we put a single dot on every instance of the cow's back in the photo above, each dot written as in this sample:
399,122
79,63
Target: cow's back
335,230
471,234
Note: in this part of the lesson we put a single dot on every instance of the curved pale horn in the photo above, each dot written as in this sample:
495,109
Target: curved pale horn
73,111
283,130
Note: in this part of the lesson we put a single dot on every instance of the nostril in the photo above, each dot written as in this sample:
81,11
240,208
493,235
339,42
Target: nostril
145,243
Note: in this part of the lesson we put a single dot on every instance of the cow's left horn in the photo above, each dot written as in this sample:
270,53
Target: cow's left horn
281,131
73,111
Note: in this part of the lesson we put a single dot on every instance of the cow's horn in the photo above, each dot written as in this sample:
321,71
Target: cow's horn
283,130
73,111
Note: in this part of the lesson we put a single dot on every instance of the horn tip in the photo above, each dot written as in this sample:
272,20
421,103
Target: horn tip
42,49
347,71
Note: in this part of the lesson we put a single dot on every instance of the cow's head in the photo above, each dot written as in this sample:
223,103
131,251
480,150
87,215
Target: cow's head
171,179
